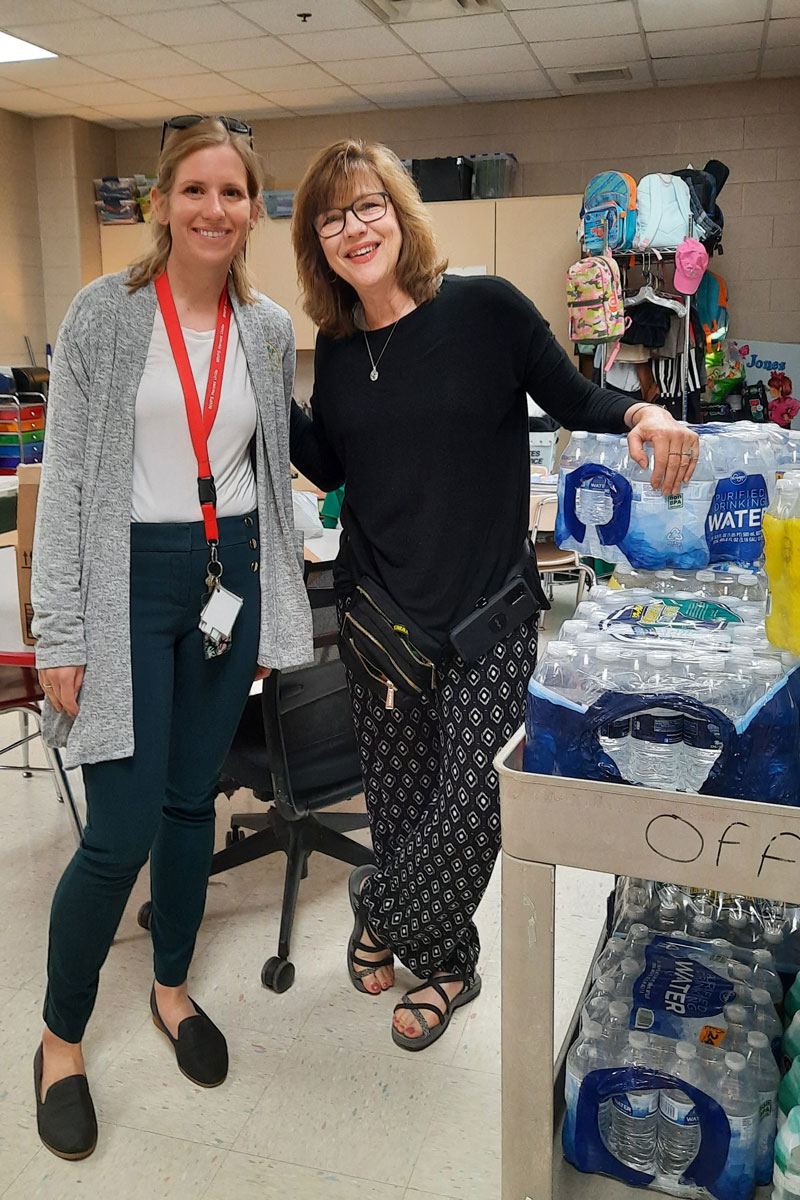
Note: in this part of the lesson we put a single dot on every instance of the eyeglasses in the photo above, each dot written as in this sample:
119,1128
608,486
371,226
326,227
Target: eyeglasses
187,120
368,208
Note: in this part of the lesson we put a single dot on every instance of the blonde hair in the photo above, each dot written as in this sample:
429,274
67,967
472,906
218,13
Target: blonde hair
328,299
179,145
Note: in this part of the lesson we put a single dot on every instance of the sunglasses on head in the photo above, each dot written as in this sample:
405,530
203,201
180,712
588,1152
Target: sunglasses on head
187,120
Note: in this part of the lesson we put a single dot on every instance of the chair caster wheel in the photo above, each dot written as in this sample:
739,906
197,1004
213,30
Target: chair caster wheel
234,834
277,974
144,917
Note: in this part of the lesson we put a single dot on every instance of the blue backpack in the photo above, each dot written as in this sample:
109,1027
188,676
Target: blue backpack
608,213
712,308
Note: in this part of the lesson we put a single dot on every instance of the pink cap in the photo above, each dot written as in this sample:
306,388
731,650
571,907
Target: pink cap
691,260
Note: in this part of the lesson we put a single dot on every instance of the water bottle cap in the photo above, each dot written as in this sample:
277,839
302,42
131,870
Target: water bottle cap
579,433
669,906
705,576
735,1013
763,956
638,931
722,944
606,983
629,966
607,653
665,574
738,920
685,1050
619,1008
739,970
773,935
757,1039
574,625
593,1029
659,658
746,579
702,921
760,995
735,1062
560,649
638,1039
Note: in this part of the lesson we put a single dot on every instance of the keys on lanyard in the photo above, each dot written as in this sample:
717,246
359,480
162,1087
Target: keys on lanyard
220,607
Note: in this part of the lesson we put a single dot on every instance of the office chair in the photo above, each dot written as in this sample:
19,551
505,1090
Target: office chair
296,749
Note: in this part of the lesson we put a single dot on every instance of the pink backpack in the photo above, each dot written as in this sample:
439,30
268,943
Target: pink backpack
594,298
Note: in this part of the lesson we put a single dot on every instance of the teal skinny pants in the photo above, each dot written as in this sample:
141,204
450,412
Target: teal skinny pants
160,801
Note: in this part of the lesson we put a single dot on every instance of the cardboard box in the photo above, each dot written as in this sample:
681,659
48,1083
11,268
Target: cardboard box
28,476
543,449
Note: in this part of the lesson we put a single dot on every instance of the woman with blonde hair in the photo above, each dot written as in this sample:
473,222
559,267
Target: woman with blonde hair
166,464
419,405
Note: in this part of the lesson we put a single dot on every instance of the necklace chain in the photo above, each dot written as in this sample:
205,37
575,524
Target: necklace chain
374,372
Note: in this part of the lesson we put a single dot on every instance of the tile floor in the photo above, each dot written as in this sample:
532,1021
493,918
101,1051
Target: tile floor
320,1104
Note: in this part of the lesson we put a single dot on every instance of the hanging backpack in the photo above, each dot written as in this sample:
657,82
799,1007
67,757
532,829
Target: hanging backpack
608,213
703,192
711,300
594,299
664,218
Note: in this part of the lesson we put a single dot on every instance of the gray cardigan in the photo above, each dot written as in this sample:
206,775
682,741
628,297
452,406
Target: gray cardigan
81,561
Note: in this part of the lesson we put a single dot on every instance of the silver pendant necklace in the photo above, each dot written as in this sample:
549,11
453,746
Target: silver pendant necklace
374,372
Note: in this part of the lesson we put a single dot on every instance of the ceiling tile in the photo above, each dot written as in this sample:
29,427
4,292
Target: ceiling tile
125,8
505,86
515,6
241,53
31,100
376,40
286,79
563,81
722,38
786,8
47,72
688,14
280,16
459,33
93,93
153,109
132,64
706,66
591,52
301,98
409,95
380,70
782,60
494,60
784,33
583,20
14,12
209,23
196,86
82,37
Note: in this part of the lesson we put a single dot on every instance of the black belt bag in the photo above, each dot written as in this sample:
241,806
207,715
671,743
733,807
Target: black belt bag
388,653
383,649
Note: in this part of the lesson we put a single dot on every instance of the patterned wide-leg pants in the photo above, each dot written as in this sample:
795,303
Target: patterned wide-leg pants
433,802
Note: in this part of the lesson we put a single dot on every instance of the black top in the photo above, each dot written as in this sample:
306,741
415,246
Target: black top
435,453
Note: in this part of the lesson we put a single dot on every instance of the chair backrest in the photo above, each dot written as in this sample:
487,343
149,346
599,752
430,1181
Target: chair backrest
543,514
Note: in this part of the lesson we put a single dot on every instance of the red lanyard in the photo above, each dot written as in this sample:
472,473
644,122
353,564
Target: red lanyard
201,420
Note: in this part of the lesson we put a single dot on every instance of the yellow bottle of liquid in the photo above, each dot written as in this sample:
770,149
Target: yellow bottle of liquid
778,554
791,553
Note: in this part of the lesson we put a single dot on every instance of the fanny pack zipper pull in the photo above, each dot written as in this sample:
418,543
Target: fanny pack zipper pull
390,691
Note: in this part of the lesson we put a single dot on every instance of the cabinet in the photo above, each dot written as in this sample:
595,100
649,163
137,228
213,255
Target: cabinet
528,240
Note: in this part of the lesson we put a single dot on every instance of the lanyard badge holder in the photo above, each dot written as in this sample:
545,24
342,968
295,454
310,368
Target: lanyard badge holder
220,607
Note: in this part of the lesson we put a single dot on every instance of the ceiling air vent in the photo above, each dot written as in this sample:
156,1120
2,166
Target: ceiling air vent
395,11
607,76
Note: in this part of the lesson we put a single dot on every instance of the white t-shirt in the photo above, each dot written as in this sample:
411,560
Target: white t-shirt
164,463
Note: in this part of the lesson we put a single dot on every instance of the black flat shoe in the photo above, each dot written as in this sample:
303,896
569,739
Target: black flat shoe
65,1118
200,1048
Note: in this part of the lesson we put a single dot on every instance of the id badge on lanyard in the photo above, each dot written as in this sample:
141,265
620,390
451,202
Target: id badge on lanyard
220,607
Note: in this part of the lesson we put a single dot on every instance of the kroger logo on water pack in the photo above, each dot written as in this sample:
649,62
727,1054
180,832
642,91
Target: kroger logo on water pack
738,477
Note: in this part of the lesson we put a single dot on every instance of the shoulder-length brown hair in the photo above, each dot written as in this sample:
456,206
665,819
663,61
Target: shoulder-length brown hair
179,145
327,298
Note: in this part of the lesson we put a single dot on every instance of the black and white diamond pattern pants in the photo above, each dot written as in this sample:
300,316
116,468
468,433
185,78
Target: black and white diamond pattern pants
433,802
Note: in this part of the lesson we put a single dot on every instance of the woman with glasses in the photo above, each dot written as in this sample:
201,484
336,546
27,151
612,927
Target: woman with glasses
167,575
419,405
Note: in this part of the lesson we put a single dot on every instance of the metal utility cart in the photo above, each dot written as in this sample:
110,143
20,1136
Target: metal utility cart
703,841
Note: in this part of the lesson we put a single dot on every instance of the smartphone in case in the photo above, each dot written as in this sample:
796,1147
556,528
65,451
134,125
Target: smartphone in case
487,625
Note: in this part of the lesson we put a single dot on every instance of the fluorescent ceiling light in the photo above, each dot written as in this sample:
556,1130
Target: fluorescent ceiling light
15,50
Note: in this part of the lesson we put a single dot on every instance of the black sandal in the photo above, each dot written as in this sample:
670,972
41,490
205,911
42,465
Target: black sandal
357,967
429,1035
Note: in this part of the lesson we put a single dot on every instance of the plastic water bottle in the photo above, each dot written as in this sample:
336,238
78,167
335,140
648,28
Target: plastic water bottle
557,671
767,1021
598,1001
789,1092
614,739
734,1091
616,1028
589,1053
737,1028
678,1122
594,502
790,1042
657,734
765,975
634,1114
765,1077
791,1003
569,629
664,582
786,1177
669,917
629,971
702,746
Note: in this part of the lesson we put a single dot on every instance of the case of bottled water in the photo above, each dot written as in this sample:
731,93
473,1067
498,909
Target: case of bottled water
608,508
